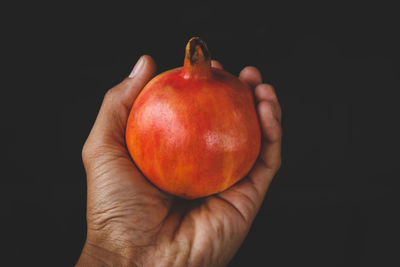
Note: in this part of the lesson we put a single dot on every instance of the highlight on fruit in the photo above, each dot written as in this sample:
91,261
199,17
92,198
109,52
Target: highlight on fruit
193,131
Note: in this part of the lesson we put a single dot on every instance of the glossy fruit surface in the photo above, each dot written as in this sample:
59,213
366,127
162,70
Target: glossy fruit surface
193,131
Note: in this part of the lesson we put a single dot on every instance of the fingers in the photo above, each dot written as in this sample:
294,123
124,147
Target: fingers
271,131
141,74
266,93
250,75
269,162
127,91
270,114
109,127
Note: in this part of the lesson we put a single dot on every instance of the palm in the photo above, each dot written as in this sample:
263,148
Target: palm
125,208
209,223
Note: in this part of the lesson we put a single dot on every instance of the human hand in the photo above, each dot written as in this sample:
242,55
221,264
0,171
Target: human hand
133,223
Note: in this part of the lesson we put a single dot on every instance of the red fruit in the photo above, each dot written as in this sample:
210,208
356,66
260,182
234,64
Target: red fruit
194,131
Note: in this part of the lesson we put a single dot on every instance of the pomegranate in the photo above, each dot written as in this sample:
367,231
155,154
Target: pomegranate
193,131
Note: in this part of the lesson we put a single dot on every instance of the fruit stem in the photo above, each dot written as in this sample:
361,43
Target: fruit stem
197,63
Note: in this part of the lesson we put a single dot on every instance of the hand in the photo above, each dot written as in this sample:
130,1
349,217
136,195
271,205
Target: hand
132,223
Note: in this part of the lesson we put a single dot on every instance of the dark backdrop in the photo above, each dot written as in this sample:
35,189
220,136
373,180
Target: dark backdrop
336,73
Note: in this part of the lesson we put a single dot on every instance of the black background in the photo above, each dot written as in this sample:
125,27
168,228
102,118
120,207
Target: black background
336,73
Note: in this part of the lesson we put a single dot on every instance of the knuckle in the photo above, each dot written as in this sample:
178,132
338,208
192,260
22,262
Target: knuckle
110,95
91,153
274,164
86,152
96,153
267,91
113,96
274,97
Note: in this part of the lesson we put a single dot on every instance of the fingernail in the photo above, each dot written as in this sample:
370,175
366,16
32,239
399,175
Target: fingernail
138,66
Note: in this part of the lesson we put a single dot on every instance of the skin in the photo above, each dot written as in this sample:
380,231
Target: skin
132,223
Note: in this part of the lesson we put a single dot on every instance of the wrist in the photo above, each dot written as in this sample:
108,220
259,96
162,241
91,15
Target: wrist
94,255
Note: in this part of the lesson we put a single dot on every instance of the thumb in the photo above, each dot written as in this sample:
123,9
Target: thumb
108,130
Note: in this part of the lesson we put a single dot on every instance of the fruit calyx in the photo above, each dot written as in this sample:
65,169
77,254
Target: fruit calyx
197,63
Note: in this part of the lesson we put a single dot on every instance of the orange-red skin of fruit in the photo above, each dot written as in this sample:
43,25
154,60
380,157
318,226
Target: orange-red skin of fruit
194,137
